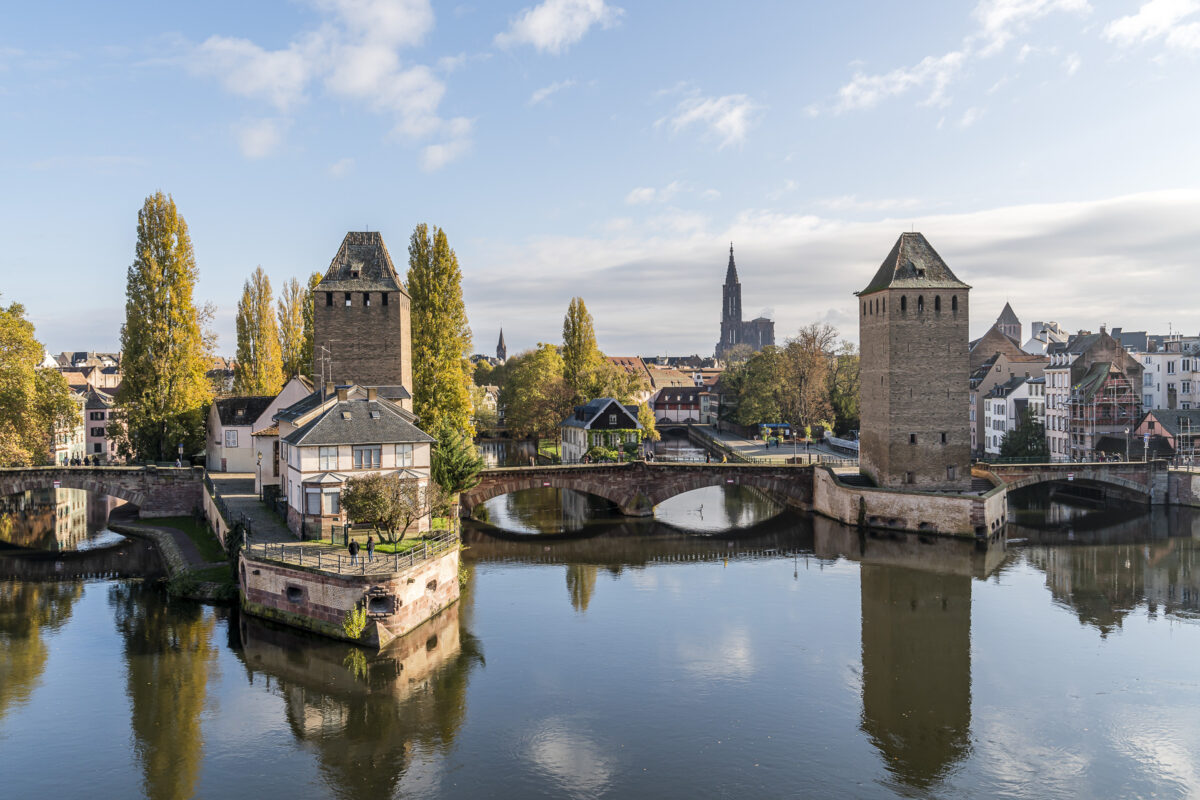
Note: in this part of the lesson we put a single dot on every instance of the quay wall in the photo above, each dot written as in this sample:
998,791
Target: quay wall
967,515
1183,488
317,600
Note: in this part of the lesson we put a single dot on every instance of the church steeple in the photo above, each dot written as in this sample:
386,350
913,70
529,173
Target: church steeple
501,349
731,276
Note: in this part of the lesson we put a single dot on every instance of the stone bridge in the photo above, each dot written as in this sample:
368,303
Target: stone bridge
1140,481
637,487
156,491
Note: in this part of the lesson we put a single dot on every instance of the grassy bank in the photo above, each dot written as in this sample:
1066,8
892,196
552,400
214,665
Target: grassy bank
201,534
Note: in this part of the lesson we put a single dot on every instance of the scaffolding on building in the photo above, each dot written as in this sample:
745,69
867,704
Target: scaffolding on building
1103,402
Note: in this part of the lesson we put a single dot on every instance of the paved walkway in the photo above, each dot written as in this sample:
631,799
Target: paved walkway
758,450
237,490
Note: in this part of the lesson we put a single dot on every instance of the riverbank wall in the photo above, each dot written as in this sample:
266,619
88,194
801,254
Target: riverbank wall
975,516
318,599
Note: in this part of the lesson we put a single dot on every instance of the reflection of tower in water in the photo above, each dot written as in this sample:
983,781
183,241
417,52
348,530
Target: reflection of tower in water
916,670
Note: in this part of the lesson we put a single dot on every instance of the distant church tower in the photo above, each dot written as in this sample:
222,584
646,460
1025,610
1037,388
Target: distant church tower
501,348
914,372
756,334
362,319
1009,324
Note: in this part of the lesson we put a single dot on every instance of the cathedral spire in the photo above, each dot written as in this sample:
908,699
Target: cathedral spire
501,348
731,276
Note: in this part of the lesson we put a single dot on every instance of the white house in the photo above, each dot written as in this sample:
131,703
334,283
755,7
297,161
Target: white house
1006,403
234,421
338,433
603,422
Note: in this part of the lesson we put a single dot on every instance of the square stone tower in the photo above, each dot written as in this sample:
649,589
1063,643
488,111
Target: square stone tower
914,372
362,318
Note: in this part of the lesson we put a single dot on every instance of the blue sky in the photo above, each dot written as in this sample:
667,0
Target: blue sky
612,150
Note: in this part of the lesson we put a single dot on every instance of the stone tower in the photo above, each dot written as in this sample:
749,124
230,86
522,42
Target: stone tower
501,348
362,318
731,308
914,372
1009,324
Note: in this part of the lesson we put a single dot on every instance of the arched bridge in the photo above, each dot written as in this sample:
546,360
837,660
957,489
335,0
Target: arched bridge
1140,481
156,491
637,487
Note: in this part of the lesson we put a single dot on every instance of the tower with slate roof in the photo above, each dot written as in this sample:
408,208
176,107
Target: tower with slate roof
914,370
501,348
756,333
362,323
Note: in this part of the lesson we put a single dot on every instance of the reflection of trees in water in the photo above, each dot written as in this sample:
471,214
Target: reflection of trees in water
27,610
169,654
916,670
581,585
365,713
545,510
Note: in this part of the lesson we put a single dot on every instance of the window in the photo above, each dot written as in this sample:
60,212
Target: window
329,298
312,501
954,304
909,477
1185,365
920,303
347,298
384,298
612,419
95,415
1170,367
332,502
951,472
1185,387
98,431
912,438
368,457
943,437
883,305
96,445
903,303
404,455
327,458
366,298
231,439
937,302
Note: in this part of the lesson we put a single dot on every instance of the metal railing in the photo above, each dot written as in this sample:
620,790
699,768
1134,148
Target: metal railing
341,563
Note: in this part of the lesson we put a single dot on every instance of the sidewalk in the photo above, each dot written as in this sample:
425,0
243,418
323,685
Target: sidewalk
758,451
237,490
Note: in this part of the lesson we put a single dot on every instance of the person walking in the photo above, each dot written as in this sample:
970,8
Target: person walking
353,548
370,547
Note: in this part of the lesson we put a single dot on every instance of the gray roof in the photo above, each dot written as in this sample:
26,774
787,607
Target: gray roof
362,264
587,413
1173,419
98,399
731,276
358,422
242,410
913,264
1008,316
311,401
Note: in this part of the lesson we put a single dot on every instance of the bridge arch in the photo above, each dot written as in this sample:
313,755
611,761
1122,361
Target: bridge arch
1126,481
484,492
156,492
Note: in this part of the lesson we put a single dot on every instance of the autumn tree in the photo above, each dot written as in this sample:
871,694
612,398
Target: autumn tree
259,367
441,337
290,313
34,400
581,357
164,349
844,389
806,373
536,397
649,424
308,312
390,502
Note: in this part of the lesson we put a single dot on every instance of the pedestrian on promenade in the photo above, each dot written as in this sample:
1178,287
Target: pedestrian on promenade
353,548
370,547
178,463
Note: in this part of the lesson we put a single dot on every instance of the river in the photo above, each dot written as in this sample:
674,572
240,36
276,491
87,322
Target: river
790,656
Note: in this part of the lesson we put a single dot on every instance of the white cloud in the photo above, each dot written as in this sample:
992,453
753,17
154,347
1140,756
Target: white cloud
727,118
396,23
555,25
648,194
1158,19
710,194
260,138
970,117
542,94
436,156
1072,63
341,168
998,23
244,68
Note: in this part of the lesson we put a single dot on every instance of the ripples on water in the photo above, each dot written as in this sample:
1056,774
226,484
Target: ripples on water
792,656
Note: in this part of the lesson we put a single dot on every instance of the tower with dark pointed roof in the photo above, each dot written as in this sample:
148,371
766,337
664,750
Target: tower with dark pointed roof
914,372
501,348
1009,324
757,333
362,323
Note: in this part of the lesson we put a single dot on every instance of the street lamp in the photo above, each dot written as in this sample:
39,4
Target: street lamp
1127,445
179,460
260,484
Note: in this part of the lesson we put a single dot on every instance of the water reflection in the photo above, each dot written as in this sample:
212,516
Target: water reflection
506,452
56,519
169,658
28,612
365,714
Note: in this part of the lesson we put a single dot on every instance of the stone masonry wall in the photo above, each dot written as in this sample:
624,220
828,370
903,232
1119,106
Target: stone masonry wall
157,492
368,345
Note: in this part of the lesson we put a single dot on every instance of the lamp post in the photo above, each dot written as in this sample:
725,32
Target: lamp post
260,485
179,461
1127,445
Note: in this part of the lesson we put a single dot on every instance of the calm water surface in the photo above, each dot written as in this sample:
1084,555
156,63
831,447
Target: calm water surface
789,657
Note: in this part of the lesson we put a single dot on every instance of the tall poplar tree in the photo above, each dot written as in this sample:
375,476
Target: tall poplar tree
307,313
164,355
34,400
583,363
441,337
259,367
291,328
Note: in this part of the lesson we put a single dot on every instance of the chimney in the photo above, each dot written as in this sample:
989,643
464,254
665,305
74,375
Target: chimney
372,392
342,395
1103,328
329,388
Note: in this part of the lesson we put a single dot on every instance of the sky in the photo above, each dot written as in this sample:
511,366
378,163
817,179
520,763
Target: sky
612,151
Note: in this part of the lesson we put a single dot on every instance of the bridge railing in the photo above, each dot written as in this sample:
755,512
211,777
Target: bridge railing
339,562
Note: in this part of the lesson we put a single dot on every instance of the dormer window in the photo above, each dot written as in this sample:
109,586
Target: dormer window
920,272
374,415
345,415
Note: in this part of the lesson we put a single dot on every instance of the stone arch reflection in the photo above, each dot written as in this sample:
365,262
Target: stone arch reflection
362,713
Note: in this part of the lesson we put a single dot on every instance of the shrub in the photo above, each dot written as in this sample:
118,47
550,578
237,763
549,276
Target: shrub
355,622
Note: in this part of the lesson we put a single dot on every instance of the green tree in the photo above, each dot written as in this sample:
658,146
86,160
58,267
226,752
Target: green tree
165,351
259,367
649,424
581,357
307,313
484,416
845,389
1026,441
482,373
290,314
456,465
761,382
34,400
441,336
390,503
535,397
